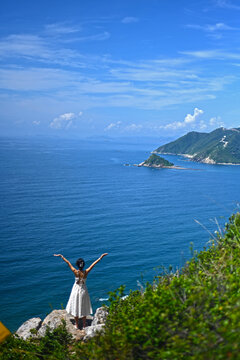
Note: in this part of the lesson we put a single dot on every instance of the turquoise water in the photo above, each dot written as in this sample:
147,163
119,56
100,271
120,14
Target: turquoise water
77,198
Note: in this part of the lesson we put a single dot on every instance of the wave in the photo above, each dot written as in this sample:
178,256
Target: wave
106,299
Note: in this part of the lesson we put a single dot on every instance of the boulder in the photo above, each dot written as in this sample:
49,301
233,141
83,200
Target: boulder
91,331
35,327
29,328
100,316
54,320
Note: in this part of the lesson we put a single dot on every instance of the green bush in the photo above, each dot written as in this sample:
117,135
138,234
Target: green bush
192,314
54,345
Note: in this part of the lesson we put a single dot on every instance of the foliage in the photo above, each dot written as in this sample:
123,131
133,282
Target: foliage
54,345
155,160
192,314
221,145
189,314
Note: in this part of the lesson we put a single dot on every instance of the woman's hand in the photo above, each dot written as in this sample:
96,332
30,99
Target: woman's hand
57,255
103,255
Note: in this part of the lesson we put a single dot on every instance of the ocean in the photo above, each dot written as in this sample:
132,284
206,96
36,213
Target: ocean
77,198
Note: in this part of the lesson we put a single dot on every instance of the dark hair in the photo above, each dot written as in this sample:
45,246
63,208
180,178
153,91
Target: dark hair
80,263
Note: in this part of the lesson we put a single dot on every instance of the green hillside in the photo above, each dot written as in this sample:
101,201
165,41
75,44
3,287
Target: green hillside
156,161
189,314
219,146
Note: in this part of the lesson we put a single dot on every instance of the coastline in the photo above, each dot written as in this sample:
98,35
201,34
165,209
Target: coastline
176,167
204,161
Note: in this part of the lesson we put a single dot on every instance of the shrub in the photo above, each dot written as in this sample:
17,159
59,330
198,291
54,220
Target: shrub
54,345
194,314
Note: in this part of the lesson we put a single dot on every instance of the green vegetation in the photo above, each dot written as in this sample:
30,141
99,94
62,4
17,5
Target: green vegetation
156,161
220,146
54,345
189,314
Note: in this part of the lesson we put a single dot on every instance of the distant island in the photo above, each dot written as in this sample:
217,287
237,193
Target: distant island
155,161
221,146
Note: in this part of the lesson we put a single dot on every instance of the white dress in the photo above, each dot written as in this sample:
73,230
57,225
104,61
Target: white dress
79,303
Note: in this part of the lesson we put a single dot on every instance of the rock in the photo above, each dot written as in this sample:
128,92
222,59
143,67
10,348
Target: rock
54,320
29,328
100,316
91,331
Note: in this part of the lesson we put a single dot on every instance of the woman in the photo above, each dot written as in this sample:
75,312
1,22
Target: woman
79,304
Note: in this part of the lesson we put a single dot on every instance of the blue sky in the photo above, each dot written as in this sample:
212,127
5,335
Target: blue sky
119,68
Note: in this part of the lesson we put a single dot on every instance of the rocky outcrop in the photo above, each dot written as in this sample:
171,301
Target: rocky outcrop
55,319
29,328
91,331
35,327
100,316
208,160
98,323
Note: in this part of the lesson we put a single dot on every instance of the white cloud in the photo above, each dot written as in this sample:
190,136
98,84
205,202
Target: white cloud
212,121
202,125
133,127
219,26
216,122
42,49
22,45
227,4
213,54
189,120
150,84
124,128
36,79
113,126
38,49
214,31
192,118
174,125
203,54
151,72
129,20
61,29
95,37
64,121
211,28
88,91
35,122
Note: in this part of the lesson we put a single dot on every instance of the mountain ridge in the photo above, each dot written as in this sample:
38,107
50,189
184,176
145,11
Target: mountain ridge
221,146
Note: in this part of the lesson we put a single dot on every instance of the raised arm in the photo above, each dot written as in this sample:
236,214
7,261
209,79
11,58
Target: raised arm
95,262
67,262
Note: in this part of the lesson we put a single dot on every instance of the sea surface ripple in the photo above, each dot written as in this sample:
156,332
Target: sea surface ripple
77,198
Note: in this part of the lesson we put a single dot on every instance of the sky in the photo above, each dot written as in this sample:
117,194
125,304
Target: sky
85,68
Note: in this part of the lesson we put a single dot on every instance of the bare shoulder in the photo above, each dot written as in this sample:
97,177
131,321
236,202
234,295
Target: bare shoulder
75,271
86,272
